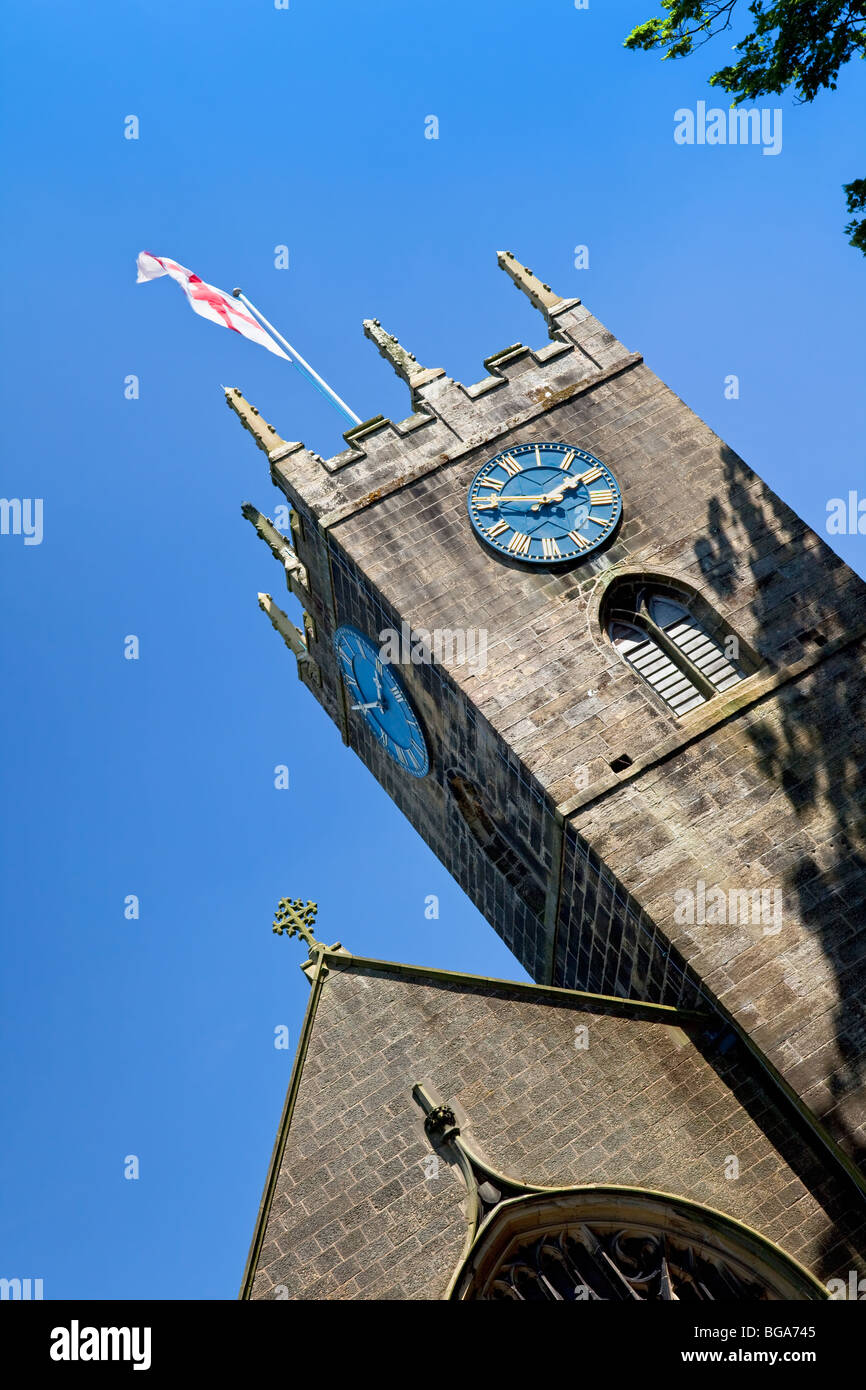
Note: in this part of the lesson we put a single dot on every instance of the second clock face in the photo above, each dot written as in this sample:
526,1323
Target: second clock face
378,696
544,504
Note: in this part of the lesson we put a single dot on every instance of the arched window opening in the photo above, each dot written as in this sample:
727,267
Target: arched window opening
614,1244
695,644
685,658
643,653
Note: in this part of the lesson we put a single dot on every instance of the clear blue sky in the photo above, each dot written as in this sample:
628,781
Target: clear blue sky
303,127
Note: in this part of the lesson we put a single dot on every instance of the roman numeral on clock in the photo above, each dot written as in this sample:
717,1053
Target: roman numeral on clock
549,548
498,528
590,475
510,465
568,460
580,541
497,483
600,496
519,544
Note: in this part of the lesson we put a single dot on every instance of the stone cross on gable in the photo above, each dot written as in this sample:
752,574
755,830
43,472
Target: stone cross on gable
295,919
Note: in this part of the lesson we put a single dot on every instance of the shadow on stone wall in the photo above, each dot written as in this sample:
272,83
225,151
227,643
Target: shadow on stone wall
842,1245
818,759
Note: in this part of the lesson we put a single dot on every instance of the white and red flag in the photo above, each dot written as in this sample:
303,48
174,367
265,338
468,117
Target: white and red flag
208,301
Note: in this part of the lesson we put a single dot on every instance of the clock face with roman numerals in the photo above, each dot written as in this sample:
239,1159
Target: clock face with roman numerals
376,695
544,504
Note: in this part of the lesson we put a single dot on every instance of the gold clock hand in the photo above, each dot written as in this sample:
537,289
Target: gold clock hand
521,497
512,497
537,497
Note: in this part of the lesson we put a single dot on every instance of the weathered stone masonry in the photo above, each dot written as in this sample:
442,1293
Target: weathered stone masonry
354,1210
761,787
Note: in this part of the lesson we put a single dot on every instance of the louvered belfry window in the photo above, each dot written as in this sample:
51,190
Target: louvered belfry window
674,653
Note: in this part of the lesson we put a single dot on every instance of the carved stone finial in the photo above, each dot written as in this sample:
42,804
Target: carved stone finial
441,1123
265,435
540,295
296,573
285,627
403,362
276,543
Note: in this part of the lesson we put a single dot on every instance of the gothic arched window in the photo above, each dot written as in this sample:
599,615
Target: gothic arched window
684,658
614,1244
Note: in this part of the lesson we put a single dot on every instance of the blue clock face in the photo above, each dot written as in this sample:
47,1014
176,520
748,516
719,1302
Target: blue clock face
377,695
544,504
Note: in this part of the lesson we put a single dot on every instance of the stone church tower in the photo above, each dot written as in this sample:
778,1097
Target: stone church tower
643,763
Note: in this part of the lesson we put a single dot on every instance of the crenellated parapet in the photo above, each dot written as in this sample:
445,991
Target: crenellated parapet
448,418
567,319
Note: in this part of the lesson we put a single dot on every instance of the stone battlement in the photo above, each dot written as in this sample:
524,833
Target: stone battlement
448,417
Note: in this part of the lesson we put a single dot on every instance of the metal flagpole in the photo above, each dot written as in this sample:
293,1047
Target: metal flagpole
299,361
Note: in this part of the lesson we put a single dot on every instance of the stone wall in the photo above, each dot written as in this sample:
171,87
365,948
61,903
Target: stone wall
664,1104
589,780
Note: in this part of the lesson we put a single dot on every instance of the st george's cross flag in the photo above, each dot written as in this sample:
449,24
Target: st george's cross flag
207,300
